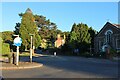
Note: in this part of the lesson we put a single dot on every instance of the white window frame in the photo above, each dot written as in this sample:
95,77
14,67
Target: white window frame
108,31
106,35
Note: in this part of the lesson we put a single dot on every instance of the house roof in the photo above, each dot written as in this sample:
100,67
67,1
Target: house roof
117,26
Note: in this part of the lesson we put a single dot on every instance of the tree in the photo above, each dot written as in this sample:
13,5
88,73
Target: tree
92,35
80,37
46,29
40,20
17,28
83,34
4,47
7,37
67,36
28,27
73,33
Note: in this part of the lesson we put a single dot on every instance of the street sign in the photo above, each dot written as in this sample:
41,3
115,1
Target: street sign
17,41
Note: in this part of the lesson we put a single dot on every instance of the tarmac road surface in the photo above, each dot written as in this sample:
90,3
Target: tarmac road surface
66,67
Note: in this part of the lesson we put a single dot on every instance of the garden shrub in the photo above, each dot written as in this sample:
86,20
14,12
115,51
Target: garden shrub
5,49
112,53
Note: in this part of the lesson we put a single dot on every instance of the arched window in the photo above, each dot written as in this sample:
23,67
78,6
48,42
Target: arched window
108,34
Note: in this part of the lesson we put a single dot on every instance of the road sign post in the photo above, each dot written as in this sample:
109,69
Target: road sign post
17,55
31,51
17,42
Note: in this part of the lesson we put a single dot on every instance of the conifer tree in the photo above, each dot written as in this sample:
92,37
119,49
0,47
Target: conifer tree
79,36
28,27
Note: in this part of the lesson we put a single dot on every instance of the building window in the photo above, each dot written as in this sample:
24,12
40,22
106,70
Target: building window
118,44
108,36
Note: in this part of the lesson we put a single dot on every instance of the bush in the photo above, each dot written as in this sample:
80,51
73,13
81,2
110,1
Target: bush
112,52
118,53
66,50
5,48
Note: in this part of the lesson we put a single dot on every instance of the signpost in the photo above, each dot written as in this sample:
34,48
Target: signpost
17,42
31,49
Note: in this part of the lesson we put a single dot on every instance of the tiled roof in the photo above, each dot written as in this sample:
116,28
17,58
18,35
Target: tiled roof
117,25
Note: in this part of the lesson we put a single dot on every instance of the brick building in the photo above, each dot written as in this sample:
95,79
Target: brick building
108,36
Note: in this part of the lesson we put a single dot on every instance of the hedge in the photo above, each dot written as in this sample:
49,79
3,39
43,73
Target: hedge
5,49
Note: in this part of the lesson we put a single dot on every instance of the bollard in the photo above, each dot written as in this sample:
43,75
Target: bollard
14,58
10,58
54,53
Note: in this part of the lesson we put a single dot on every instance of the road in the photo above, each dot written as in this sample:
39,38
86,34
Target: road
66,67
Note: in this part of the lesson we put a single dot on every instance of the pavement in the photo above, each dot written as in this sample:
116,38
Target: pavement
4,65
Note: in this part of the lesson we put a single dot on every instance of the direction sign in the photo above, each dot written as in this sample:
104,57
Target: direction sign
17,41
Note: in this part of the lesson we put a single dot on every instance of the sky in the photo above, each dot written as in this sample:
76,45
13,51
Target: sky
64,14
60,0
